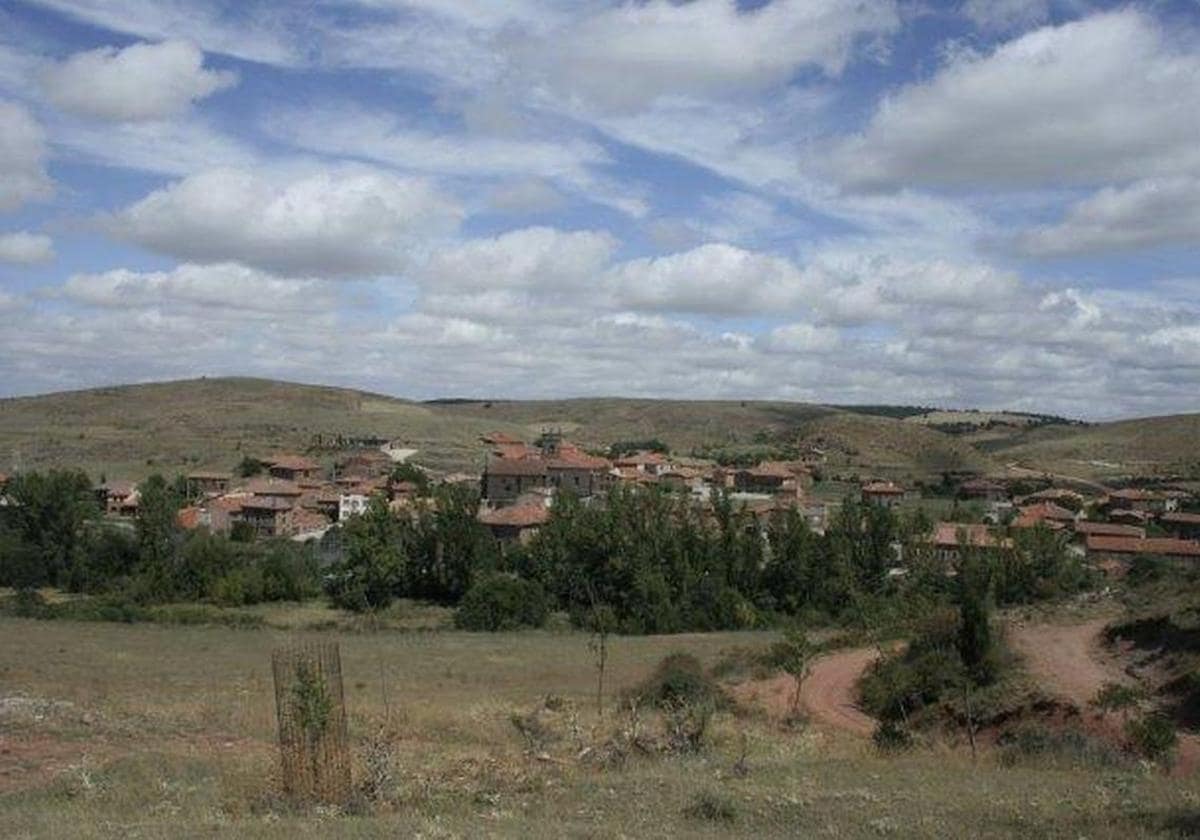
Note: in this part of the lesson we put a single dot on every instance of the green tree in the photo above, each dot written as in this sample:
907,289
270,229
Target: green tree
374,561
48,514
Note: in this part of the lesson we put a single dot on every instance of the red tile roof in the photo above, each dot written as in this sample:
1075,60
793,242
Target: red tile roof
517,516
572,458
287,461
1133,494
1109,529
266,503
202,475
271,487
1047,510
516,466
1179,518
643,458
188,518
1150,545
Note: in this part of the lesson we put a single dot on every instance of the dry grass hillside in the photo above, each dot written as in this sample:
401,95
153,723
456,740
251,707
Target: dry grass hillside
134,430
1145,447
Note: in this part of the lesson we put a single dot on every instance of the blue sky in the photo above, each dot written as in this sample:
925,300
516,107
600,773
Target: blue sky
990,204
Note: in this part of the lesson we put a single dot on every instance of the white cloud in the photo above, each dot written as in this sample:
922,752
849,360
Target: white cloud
713,278
250,31
525,195
1107,97
26,248
139,82
1006,15
1157,211
625,56
22,157
225,286
342,221
175,147
539,257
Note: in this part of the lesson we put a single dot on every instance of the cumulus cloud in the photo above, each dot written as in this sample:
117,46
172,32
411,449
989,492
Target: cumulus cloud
625,56
26,248
22,157
139,82
225,286
1006,15
1106,97
1156,211
539,257
343,221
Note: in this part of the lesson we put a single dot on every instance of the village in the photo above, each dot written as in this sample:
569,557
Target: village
293,496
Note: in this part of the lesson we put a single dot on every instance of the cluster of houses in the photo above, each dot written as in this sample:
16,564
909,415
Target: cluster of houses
1109,528
520,481
291,497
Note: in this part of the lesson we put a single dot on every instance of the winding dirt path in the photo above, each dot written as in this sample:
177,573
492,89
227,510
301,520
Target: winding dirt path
829,694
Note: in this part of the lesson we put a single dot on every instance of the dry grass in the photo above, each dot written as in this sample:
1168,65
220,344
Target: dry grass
149,731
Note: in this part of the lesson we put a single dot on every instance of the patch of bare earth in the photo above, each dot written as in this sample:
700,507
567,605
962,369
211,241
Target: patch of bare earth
1070,662
829,694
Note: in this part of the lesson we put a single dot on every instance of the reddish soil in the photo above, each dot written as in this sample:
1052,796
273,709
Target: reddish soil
1071,662
829,694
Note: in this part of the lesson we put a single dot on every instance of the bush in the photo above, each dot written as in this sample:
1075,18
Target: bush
1044,744
678,680
891,737
711,807
1154,737
502,602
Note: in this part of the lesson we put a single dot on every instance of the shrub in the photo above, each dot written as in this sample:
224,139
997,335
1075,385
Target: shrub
711,807
502,602
1041,743
891,737
677,680
1153,736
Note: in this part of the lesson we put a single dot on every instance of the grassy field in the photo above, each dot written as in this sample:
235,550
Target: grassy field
153,731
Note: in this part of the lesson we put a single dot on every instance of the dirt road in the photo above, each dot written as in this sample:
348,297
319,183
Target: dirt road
829,694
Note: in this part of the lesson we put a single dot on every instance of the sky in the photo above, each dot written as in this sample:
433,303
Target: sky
966,203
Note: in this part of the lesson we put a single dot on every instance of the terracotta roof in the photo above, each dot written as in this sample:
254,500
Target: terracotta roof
643,458
308,520
1150,545
1109,529
288,461
515,450
271,487
885,488
572,458
1026,520
209,474
1134,494
946,535
772,469
229,504
266,503
118,487
516,516
516,466
1047,510
188,518
1179,518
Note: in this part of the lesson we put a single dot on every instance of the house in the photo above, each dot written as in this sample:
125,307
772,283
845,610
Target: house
308,525
273,487
775,477
984,489
884,493
570,468
118,498
1085,529
1103,548
1133,498
202,483
518,522
644,461
949,538
366,463
291,467
505,479
224,511
1184,526
1060,496
1044,513
269,516
1128,516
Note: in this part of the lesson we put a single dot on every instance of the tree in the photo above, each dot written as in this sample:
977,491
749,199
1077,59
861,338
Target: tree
797,653
373,563
158,536
48,514
975,643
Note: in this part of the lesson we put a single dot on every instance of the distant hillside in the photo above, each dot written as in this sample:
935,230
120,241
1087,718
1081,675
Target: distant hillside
1152,446
133,430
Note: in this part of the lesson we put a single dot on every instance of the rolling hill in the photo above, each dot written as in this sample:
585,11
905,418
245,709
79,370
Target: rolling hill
133,430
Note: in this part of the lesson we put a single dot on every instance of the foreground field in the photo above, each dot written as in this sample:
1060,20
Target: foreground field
153,731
